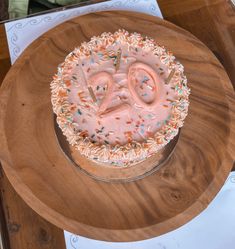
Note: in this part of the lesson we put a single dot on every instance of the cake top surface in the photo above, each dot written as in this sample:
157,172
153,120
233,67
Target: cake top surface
113,94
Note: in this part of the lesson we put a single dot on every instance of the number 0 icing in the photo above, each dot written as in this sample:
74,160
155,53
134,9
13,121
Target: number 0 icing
151,79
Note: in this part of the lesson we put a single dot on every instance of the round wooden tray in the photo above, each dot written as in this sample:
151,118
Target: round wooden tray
137,210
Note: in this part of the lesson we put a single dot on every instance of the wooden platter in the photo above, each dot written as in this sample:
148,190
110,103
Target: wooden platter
136,210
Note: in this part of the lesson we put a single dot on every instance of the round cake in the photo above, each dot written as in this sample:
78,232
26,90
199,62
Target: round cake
120,98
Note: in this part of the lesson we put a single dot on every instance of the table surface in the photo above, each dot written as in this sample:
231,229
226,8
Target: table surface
18,216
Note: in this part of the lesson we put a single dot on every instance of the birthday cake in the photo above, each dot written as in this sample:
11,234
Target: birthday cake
120,98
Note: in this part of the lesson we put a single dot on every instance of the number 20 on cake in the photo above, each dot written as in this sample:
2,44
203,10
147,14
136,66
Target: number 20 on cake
120,98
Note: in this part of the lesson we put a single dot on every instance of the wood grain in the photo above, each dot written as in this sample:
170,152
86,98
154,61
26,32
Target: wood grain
4,54
21,226
59,192
26,229
212,21
4,237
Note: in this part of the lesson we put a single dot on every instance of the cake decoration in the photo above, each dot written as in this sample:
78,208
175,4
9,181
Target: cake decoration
120,98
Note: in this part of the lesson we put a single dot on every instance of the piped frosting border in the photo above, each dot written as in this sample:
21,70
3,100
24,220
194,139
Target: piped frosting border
133,152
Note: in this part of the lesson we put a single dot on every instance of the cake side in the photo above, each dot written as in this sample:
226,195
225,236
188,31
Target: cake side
135,112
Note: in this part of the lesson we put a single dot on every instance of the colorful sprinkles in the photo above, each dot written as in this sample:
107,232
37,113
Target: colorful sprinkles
89,144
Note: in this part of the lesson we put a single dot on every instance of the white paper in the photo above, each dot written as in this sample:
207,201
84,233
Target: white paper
214,228
22,32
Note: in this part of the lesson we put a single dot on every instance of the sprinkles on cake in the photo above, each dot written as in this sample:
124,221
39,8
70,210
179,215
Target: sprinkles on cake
95,53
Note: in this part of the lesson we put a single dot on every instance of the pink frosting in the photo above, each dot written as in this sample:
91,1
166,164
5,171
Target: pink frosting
133,102
134,112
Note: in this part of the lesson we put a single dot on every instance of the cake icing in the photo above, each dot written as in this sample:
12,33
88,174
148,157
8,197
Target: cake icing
135,112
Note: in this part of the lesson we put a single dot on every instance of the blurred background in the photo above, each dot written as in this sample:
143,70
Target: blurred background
13,9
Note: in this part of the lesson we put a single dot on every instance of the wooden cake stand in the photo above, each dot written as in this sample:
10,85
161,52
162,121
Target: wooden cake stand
156,204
